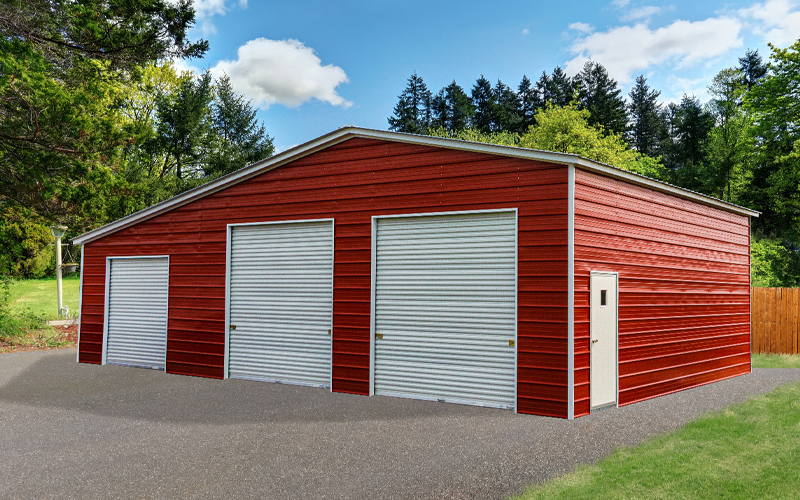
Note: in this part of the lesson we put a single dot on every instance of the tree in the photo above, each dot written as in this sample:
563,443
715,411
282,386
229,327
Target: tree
567,130
753,68
64,69
647,126
507,113
184,122
730,143
123,33
602,97
529,102
504,138
557,88
412,113
776,102
240,138
485,102
452,108
685,150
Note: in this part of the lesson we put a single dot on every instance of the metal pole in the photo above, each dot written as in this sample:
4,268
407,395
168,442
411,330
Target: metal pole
58,232
58,275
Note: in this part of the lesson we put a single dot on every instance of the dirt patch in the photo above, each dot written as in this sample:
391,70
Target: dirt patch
59,337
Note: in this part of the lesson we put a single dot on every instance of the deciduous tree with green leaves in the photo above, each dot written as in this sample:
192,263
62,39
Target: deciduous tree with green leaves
776,103
567,130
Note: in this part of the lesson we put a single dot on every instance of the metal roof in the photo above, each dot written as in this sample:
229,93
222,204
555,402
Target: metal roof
350,132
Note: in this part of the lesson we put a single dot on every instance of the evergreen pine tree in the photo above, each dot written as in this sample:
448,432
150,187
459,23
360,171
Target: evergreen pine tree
240,138
485,102
412,112
557,88
452,108
184,124
692,125
647,127
528,103
507,110
752,68
600,94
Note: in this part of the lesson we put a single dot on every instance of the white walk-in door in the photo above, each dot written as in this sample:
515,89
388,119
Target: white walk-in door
445,308
281,302
603,317
137,297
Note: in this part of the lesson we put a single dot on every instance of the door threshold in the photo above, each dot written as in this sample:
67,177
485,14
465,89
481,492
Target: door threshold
603,407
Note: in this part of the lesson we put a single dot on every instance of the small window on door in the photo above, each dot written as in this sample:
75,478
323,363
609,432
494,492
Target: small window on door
603,294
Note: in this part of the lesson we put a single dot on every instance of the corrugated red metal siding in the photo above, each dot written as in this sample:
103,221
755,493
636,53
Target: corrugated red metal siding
684,296
351,182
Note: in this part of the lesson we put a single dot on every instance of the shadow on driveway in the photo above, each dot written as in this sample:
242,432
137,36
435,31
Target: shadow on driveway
56,380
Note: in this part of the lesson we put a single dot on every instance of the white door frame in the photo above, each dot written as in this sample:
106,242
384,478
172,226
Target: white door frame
615,275
107,302
229,231
373,266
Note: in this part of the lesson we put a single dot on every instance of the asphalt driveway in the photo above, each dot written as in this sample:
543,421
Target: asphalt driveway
83,431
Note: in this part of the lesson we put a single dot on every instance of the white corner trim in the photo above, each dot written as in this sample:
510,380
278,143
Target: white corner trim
571,294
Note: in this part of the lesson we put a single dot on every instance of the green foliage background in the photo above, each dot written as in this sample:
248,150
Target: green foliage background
742,146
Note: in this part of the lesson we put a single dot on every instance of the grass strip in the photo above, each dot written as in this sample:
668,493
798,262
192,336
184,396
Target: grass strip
776,360
748,450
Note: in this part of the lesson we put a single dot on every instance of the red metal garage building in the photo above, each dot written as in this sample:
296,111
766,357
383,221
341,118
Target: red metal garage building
375,262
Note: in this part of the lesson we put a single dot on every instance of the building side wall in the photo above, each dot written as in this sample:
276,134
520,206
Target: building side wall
684,275
351,182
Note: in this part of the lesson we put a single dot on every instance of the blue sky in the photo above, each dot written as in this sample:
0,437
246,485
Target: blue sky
311,67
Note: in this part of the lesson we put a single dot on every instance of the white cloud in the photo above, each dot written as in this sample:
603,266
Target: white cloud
626,50
581,27
620,3
282,71
645,12
526,32
778,21
678,86
206,9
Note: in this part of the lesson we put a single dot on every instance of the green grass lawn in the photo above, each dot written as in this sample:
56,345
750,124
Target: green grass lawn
776,361
749,450
40,296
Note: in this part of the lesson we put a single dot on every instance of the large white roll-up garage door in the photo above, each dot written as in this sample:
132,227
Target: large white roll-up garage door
136,312
445,308
281,302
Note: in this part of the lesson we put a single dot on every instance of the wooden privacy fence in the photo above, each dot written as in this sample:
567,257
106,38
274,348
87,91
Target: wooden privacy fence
774,320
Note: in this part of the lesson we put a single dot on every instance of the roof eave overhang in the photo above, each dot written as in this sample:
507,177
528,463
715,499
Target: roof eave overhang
346,133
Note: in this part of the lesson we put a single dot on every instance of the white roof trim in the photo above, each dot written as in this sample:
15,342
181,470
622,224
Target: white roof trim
348,132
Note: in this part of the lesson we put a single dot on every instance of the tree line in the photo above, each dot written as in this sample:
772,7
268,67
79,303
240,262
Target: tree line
97,123
742,145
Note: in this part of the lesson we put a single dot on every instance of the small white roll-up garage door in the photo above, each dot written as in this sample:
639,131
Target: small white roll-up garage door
445,308
137,294
281,302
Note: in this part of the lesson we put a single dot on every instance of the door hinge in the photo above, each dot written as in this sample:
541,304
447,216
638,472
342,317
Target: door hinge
595,341
329,331
378,335
233,327
511,342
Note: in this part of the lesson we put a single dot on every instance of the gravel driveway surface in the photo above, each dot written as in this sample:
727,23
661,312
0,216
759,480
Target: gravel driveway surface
82,431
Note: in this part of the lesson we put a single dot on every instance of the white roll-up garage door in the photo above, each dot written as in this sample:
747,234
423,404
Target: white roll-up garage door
281,302
137,293
445,308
